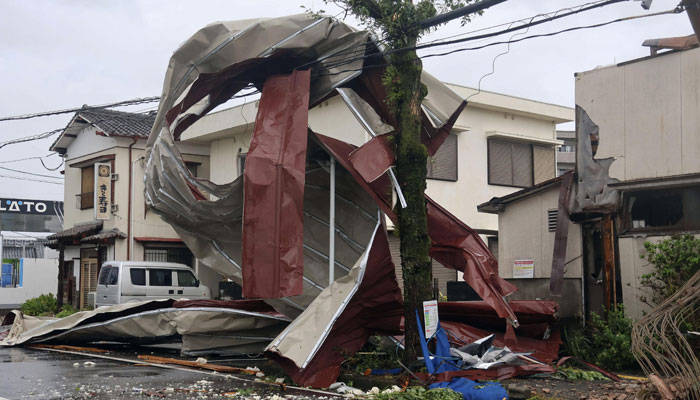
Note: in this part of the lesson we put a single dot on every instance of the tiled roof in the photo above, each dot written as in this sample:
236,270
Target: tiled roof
77,231
104,235
119,123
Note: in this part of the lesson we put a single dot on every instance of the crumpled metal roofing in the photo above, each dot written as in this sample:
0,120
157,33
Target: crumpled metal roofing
218,62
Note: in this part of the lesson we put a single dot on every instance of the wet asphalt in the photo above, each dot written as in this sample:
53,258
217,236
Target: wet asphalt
39,374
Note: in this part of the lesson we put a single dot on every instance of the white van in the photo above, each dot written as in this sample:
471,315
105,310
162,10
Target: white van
124,281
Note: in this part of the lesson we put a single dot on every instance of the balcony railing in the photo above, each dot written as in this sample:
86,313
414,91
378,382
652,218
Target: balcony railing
84,200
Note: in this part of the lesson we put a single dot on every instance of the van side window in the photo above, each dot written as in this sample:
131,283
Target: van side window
104,273
138,276
160,277
113,277
186,278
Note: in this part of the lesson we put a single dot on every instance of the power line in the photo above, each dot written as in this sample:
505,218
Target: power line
27,158
31,173
672,11
70,110
30,179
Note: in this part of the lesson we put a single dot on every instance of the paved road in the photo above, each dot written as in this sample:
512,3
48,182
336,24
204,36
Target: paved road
38,374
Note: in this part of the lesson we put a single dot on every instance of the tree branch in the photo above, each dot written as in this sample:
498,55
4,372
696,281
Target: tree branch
375,12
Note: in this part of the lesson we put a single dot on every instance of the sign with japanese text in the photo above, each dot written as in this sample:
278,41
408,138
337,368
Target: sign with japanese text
430,317
523,269
103,191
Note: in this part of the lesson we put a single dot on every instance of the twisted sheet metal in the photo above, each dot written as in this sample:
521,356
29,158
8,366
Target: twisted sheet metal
662,348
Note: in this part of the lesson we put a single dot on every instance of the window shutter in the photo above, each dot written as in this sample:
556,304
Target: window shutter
544,163
500,165
443,165
522,165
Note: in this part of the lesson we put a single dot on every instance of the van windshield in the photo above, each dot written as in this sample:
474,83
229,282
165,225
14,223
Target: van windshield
186,278
104,273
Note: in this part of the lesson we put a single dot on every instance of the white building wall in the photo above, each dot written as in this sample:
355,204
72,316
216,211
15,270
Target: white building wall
39,276
647,112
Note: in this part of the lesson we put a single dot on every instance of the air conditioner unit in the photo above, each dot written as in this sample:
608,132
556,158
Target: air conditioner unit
115,177
115,208
91,299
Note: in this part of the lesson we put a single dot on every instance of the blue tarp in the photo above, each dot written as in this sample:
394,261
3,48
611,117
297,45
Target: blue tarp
471,390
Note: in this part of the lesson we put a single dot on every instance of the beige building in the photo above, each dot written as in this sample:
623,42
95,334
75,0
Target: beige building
131,232
499,144
637,163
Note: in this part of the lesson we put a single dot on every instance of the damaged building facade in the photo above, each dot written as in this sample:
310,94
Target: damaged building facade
499,143
637,179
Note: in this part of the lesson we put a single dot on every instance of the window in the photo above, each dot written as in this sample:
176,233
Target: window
241,162
104,275
519,164
443,164
87,185
160,277
138,276
113,277
493,245
186,278
180,254
192,167
673,209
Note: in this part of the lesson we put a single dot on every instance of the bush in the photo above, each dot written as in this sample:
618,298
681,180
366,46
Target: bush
611,340
43,305
66,311
676,260
605,342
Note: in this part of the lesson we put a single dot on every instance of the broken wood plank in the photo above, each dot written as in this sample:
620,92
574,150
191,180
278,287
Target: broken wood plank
66,347
193,364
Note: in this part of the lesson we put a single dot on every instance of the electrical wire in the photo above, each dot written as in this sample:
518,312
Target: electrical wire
29,179
31,173
671,11
130,102
28,158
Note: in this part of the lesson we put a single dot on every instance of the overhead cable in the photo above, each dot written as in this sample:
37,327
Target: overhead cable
70,110
31,173
22,178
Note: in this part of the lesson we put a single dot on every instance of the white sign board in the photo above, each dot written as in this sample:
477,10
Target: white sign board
430,317
103,191
523,269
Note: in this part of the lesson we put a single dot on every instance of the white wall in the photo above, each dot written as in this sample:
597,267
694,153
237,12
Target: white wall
523,234
39,276
647,112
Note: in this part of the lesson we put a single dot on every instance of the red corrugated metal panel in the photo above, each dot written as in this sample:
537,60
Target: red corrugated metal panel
273,224
376,308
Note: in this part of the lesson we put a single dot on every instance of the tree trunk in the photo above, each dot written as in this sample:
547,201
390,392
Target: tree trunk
61,268
412,156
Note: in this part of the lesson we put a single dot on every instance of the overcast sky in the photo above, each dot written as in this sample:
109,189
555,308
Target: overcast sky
62,54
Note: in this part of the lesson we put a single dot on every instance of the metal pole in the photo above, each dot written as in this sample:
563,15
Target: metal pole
331,227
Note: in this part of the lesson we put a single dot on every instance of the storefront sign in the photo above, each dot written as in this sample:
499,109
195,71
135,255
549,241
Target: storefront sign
523,269
103,191
25,206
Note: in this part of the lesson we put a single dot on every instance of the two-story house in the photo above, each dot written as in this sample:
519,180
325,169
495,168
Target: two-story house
499,144
637,179
129,231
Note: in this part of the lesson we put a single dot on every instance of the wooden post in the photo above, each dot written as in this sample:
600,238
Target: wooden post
608,237
61,269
